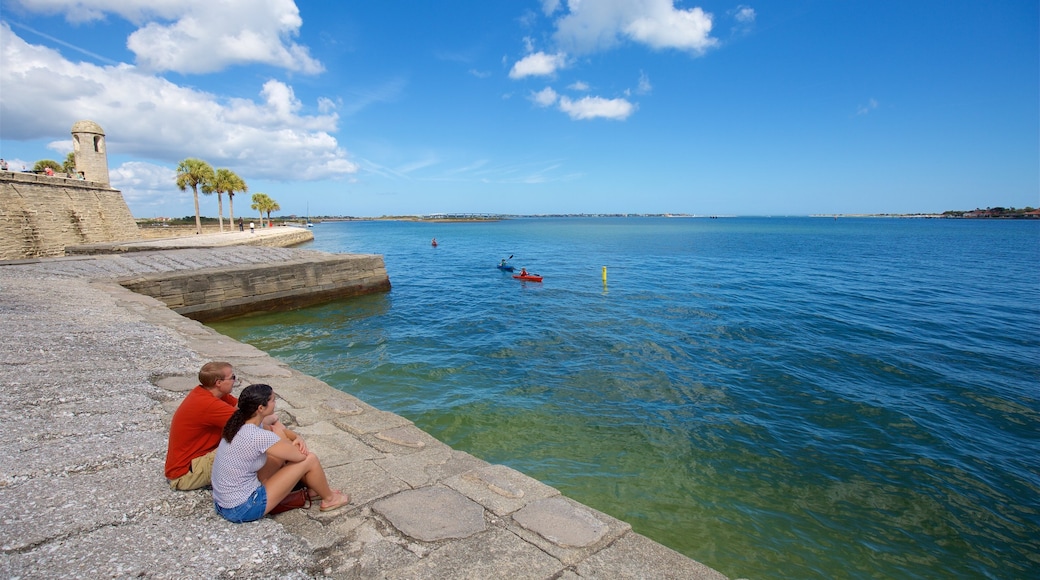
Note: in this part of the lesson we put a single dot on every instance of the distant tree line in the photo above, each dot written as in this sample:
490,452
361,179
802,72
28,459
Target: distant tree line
994,212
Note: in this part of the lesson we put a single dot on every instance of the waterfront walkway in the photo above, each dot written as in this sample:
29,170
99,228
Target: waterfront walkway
90,374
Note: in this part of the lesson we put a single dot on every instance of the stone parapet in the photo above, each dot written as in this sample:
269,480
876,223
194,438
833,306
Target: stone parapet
41,214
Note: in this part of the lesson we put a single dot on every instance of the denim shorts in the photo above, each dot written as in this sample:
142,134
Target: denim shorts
250,510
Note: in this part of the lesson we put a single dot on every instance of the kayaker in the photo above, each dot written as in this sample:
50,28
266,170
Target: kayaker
523,271
503,262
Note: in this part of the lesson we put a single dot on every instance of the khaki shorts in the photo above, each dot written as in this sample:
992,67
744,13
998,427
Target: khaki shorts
198,475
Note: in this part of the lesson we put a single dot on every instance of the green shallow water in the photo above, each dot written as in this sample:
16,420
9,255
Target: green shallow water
777,398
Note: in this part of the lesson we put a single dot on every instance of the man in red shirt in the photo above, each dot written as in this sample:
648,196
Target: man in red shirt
197,426
199,423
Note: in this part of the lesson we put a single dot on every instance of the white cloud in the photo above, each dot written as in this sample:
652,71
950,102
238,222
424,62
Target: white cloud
537,64
591,26
579,86
199,36
151,117
545,97
644,87
597,107
865,109
745,14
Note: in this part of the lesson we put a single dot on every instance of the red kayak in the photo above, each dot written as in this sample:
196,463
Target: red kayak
528,277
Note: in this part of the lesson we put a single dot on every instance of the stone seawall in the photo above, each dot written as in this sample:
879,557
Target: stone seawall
91,375
223,292
40,215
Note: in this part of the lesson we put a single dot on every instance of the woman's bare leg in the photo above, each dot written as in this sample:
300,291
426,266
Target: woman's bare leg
309,470
270,468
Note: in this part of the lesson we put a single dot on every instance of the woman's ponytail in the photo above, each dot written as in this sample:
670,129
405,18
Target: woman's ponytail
249,401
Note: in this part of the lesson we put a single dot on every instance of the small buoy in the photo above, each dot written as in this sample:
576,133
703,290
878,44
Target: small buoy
604,274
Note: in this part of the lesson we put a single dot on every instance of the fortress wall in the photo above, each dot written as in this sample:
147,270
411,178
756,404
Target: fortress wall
40,215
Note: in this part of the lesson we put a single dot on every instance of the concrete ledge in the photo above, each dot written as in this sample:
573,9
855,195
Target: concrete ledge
219,293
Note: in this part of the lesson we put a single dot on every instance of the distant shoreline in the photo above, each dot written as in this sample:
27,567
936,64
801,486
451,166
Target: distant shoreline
997,213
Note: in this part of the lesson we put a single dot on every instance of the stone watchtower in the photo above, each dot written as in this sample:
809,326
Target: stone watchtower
88,147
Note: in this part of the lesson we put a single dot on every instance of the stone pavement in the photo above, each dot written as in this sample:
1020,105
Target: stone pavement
90,374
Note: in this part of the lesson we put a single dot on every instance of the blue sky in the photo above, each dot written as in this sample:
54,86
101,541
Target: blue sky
540,106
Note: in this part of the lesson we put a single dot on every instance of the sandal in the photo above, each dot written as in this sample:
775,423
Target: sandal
339,498
312,495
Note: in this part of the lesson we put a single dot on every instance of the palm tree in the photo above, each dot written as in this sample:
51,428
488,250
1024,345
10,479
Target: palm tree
263,203
195,172
226,181
69,166
240,185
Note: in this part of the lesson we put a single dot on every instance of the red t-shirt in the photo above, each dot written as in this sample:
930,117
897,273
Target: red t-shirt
196,428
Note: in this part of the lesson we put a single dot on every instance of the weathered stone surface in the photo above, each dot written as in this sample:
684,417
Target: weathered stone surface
432,464
405,436
179,384
263,369
334,449
371,422
432,513
365,482
342,406
562,523
495,553
566,529
634,555
499,488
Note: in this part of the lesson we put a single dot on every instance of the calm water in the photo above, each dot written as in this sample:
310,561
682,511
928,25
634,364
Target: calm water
777,398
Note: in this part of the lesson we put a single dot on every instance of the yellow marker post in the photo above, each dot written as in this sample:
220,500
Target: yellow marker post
604,274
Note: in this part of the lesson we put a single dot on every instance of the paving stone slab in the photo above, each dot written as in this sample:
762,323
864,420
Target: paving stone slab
495,553
335,447
432,514
303,391
499,488
178,384
566,529
370,422
369,551
430,465
264,369
634,554
364,481
223,348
